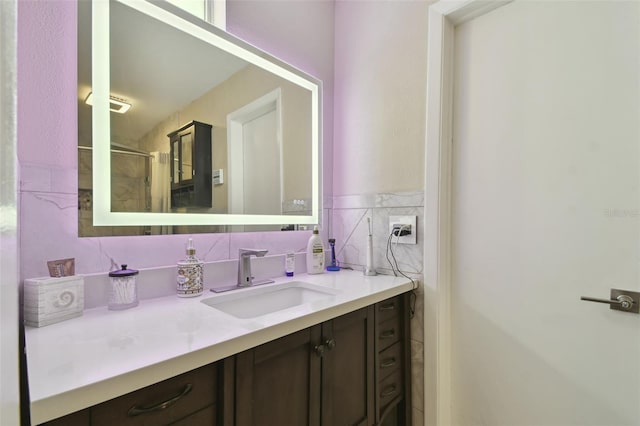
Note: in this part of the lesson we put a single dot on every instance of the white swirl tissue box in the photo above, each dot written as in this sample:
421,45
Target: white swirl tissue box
50,300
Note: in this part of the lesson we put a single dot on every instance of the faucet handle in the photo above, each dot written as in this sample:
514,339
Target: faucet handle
252,252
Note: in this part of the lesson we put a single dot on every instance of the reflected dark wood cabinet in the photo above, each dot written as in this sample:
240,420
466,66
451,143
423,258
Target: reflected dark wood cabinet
351,370
191,167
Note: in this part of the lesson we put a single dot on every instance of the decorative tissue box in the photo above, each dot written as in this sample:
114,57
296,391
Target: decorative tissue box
50,300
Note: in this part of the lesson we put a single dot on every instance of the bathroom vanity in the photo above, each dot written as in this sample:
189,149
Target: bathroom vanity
339,359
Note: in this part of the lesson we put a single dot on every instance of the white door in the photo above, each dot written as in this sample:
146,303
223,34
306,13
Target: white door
545,209
262,182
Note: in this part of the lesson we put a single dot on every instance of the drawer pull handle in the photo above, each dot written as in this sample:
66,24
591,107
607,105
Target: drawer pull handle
388,334
389,362
387,307
389,390
136,411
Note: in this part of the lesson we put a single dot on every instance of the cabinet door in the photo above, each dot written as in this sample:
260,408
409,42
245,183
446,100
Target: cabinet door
186,157
278,383
175,163
204,417
348,369
182,153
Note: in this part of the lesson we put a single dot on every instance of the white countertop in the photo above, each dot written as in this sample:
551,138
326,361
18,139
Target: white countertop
104,354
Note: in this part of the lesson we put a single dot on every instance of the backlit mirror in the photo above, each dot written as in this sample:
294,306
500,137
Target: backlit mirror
185,128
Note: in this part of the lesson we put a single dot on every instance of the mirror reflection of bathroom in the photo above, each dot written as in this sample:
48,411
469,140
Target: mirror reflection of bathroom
194,129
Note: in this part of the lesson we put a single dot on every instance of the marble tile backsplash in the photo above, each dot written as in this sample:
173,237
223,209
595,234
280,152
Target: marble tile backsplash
349,226
161,281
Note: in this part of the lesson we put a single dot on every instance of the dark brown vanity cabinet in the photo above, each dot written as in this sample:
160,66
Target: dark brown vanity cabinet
351,370
191,167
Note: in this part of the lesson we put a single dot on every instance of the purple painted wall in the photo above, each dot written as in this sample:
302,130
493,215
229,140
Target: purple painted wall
47,139
380,91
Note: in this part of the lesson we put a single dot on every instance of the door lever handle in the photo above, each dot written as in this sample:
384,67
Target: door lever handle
621,300
624,301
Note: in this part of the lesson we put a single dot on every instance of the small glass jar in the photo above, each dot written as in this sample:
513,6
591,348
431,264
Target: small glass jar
124,289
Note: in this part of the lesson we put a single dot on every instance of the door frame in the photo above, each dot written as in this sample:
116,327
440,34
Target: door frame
272,101
13,397
443,17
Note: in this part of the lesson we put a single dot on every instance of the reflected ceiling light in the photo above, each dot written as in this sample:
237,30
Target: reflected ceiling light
115,104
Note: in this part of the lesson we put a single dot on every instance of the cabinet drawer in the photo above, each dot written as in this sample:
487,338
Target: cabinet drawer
181,396
387,333
79,418
389,390
389,361
204,417
387,309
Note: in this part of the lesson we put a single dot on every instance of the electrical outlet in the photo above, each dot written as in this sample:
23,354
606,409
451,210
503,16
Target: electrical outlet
407,223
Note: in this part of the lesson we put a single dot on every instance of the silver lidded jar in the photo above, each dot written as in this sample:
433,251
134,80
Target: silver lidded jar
124,289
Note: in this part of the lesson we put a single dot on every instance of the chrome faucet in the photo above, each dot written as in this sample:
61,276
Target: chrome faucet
245,279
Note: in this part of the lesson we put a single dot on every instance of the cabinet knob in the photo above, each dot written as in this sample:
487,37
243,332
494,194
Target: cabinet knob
319,349
327,345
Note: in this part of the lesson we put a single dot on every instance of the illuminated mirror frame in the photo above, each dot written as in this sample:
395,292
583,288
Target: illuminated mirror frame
102,214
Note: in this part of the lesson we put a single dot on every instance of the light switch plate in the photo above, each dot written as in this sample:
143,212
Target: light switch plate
218,176
404,220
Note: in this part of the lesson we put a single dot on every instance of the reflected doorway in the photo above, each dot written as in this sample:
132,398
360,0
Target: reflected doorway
255,157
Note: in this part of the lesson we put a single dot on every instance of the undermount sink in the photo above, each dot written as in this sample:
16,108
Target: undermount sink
258,301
